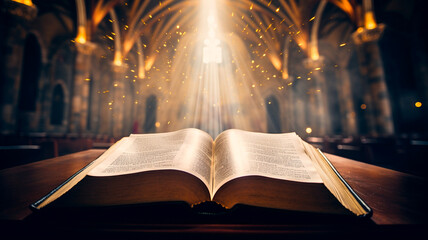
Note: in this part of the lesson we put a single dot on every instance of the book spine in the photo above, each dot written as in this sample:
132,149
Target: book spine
360,201
42,201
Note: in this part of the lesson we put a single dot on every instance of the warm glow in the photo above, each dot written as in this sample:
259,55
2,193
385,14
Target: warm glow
149,63
314,53
212,52
81,35
301,43
313,44
308,130
363,106
369,20
26,2
213,83
117,59
141,72
276,62
285,75
117,40
418,104
140,52
346,6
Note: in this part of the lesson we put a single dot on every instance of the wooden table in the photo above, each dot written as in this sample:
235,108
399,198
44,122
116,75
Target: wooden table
398,201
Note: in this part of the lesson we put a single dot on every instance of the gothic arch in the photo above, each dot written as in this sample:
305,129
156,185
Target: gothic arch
29,93
60,79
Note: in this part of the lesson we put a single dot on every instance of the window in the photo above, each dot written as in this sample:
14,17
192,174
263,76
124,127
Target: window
57,107
273,115
30,75
151,108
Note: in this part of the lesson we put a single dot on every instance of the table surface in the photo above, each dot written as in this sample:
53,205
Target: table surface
396,198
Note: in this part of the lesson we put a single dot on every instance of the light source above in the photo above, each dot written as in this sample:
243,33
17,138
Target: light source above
26,2
212,49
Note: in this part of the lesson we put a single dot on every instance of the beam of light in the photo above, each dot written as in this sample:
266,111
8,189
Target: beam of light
276,62
207,110
369,18
181,17
210,108
285,54
314,53
292,11
141,65
81,22
293,17
262,13
268,39
209,91
25,2
216,90
140,20
264,26
81,35
101,10
347,7
117,42
222,88
149,63
290,14
212,49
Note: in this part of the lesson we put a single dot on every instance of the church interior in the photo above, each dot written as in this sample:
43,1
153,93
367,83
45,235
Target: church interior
348,76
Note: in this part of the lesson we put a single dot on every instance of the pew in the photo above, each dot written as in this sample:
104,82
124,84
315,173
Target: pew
15,155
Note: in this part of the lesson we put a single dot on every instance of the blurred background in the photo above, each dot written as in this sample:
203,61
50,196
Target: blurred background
349,76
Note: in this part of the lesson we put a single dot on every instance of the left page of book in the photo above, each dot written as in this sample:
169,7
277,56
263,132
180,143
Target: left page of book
76,177
188,150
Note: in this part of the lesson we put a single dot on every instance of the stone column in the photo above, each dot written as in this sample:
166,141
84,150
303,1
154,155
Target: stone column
118,103
320,114
79,102
14,24
299,106
289,107
81,86
322,106
371,67
346,101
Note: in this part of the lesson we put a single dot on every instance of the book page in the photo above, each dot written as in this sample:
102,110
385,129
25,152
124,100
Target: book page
334,183
189,150
240,153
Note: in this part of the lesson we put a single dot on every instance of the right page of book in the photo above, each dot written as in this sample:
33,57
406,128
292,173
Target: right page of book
239,153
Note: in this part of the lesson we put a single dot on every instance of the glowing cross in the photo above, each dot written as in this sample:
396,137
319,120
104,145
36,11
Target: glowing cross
212,50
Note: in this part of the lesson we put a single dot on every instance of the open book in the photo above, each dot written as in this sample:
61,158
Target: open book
277,171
